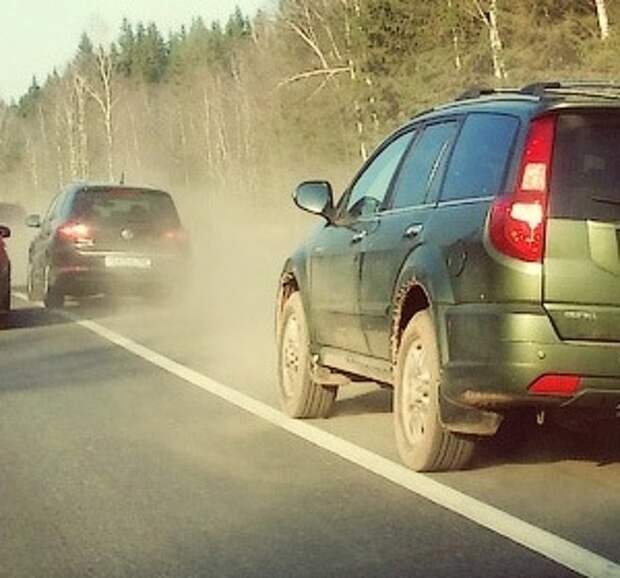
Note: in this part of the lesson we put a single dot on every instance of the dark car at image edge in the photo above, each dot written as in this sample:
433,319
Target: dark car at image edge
104,238
5,273
473,265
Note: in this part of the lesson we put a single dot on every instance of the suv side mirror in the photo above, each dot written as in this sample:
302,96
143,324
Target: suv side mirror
33,221
316,197
5,232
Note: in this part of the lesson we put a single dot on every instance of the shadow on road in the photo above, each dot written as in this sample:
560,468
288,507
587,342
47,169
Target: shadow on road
29,317
523,442
372,402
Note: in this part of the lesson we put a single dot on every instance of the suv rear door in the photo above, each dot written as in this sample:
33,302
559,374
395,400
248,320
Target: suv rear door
581,286
399,231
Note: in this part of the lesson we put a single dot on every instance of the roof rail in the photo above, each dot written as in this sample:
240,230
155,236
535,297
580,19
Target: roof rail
539,88
593,88
551,88
477,92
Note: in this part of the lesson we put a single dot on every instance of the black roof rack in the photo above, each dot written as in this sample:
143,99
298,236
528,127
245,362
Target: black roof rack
587,88
477,92
548,89
540,88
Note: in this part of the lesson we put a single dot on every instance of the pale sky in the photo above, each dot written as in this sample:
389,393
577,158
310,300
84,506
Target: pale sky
36,35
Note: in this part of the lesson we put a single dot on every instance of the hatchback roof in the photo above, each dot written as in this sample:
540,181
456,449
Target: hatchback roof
77,186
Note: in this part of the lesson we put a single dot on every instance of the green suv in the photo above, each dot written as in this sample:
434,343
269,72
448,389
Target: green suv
473,265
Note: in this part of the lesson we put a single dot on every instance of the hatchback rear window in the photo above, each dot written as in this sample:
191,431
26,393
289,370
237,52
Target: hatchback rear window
120,206
585,182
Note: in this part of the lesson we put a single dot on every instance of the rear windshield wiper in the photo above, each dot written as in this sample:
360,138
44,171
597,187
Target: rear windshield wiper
608,200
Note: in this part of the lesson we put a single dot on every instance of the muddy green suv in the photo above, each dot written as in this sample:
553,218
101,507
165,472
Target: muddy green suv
473,265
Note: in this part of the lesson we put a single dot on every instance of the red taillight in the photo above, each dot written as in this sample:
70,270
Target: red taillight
553,384
76,232
517,222
175,235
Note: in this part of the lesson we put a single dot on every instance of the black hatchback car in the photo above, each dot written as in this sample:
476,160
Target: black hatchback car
473,265
98,238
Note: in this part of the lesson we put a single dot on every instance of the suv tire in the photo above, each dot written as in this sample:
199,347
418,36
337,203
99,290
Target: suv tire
300,396
424,444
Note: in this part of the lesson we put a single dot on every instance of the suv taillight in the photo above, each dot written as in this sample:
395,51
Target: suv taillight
517,221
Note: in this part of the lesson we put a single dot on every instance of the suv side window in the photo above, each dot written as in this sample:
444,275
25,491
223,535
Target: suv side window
369,191
478,163
422,164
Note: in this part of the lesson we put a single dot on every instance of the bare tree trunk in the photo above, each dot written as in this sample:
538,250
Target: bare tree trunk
458,64
207,128
58,137
137,150
33,165
603,19
82,149
352,65
183,152
499,68
489,18
106,103
73,155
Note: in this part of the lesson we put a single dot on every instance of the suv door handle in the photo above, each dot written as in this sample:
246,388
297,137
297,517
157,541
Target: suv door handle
413,231
358,237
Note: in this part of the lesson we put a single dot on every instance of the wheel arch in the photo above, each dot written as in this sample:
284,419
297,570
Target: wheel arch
292,279
419,288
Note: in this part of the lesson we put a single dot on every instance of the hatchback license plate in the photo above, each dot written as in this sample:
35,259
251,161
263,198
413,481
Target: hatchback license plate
130,262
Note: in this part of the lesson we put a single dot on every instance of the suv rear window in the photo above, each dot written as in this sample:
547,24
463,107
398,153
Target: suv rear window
585,182
479,160
118,206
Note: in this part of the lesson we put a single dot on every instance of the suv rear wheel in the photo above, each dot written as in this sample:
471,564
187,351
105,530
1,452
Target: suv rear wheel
423,442
300,396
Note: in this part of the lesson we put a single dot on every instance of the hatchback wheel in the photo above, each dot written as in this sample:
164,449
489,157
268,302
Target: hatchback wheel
53,298
300,396
423,442
32,293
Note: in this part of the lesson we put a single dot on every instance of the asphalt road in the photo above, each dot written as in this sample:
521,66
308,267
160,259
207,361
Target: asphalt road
112,465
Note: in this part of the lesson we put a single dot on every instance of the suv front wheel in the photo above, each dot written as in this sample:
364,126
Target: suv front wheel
424,444
301,396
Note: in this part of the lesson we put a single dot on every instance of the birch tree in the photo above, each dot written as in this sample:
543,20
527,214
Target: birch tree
603,19
488,16
103,96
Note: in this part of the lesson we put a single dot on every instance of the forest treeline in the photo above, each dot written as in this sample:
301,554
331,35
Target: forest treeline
248,106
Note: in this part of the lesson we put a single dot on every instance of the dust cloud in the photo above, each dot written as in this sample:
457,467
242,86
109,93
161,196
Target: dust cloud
239,249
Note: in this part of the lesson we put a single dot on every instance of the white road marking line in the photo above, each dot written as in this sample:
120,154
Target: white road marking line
561,551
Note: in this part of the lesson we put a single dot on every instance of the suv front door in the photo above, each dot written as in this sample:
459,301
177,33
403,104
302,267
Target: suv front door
335,252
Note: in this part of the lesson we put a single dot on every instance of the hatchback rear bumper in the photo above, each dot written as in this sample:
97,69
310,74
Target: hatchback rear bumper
87,275
492,354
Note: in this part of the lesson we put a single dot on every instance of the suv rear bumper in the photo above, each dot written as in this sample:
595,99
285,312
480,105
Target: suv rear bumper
492,354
